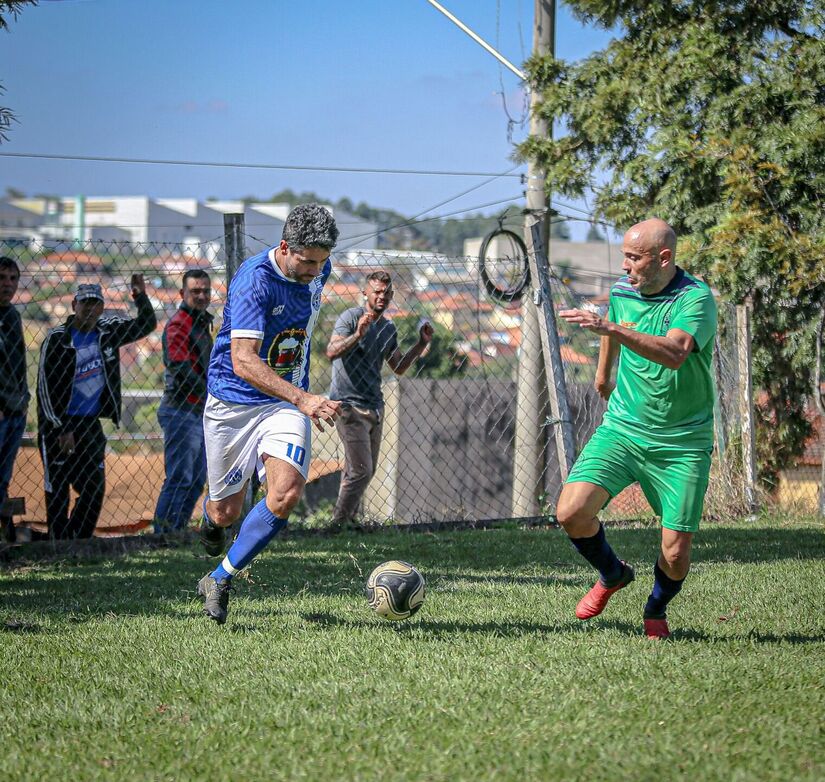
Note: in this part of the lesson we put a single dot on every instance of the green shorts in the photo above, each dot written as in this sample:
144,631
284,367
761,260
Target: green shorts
674,479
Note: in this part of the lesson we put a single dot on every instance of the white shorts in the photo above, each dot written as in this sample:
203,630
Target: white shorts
237,435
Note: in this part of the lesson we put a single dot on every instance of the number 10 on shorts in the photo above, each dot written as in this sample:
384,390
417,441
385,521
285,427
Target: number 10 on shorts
296,453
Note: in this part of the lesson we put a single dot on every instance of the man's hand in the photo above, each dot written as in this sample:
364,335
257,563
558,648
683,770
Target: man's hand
364,322
586,320
138,285
65,442
604,387
319,408
425,333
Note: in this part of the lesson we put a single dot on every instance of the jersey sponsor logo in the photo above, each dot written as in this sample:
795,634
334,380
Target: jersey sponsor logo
287,351
628,324
279,309
233,477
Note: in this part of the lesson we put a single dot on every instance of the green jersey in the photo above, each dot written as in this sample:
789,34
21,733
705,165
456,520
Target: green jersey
651,402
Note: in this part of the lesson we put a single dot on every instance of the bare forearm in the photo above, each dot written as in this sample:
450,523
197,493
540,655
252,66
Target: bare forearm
341,346
260,376
408,358
662,350
608,352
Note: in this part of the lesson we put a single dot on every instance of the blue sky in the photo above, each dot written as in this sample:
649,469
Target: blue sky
370,83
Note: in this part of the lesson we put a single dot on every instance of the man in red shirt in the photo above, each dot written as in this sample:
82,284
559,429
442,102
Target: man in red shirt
187,343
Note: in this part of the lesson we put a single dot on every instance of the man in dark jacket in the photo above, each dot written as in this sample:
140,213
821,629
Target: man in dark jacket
187,343
14,389
78,383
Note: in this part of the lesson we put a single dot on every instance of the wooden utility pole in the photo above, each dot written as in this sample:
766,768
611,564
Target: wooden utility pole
743,351
529,458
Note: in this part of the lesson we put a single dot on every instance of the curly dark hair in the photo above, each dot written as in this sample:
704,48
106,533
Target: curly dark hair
310,225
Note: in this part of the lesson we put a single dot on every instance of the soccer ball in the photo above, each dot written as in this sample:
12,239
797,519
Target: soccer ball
395,590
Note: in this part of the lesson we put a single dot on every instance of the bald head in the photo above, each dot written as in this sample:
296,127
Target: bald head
649,250
655,235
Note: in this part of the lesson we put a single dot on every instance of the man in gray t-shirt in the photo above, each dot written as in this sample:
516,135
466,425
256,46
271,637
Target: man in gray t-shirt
362,340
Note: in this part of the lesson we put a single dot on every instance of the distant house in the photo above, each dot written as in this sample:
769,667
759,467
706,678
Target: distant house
16,225
185,225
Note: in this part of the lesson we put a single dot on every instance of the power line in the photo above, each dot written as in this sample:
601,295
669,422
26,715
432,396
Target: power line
442,203
262,166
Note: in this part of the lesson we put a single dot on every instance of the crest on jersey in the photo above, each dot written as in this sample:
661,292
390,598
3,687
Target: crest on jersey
233,477
286,353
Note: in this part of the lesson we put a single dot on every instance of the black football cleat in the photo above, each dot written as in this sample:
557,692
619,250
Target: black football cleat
216,597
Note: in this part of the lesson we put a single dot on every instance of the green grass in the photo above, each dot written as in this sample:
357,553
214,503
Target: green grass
109,671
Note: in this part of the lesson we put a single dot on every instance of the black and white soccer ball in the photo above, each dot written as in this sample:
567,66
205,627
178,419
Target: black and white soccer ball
395,590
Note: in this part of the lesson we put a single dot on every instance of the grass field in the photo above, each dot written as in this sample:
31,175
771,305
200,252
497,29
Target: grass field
109,670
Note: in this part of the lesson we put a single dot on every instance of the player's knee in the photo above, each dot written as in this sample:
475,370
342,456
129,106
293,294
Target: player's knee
677,559
571,513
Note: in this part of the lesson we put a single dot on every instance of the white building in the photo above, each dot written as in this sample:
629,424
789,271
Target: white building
16,224
182,224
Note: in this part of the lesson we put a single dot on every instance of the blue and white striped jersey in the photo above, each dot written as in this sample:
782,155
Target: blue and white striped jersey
263,304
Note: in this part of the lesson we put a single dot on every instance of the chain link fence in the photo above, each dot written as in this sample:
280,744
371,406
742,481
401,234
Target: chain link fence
451,426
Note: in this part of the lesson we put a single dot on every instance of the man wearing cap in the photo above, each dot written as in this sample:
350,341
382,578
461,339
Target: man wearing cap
78,383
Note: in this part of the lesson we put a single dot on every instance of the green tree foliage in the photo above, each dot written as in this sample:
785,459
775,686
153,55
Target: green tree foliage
9,8
711,115
442,359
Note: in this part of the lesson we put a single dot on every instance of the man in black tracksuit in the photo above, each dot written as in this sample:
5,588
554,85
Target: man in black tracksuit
78,383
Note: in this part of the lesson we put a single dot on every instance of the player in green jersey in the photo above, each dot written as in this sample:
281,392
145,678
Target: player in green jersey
658,427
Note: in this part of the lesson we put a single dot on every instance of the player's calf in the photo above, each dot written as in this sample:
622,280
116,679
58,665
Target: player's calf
212,536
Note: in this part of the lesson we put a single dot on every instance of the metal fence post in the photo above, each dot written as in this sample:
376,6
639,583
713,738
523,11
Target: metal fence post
554,369
744,357
233,232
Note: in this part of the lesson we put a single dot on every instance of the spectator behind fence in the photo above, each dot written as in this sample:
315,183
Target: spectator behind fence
78,383
14,389
361,341
187,343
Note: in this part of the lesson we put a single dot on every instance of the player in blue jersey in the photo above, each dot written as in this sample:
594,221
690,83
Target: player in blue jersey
259,408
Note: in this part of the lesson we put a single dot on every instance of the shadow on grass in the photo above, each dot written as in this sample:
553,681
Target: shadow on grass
156,580
689,634
440,630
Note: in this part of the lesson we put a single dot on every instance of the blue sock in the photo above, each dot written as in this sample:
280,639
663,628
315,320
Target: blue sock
664,590
258,528
596,550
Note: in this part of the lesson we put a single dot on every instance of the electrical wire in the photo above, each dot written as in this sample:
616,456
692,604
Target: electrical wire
262,166
443,203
